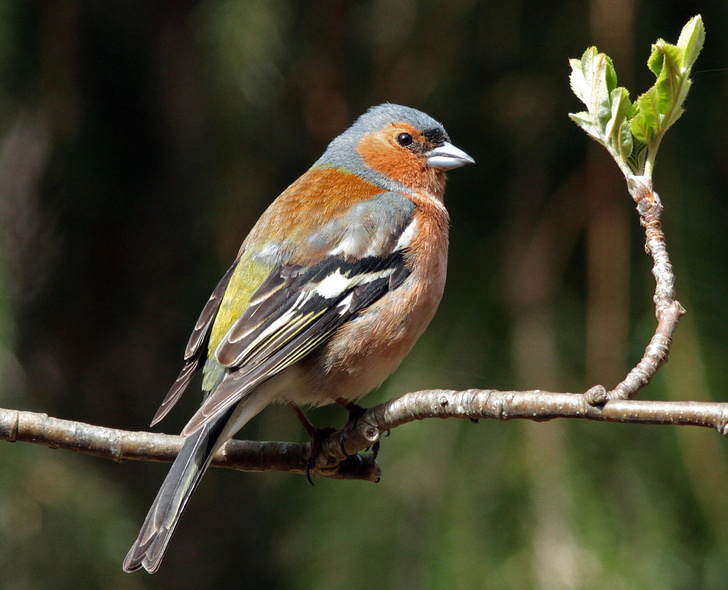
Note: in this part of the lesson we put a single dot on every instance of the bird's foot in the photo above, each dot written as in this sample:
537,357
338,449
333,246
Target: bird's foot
318,436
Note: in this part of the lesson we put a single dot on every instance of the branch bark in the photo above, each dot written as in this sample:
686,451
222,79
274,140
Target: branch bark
124,445
667,309
338,458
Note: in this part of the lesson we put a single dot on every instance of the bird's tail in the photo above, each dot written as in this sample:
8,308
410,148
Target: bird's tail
179,485
186,473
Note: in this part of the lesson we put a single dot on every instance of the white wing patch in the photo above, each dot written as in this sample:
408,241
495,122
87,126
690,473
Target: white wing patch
333,285
407,235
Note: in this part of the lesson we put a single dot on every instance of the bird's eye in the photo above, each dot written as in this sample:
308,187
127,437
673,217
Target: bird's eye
404,139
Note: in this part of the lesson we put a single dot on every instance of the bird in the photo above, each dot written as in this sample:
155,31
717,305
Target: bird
328,293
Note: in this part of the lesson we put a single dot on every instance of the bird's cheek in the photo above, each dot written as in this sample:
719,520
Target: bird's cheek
400,165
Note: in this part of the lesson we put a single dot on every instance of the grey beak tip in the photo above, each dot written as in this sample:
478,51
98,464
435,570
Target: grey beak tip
447,157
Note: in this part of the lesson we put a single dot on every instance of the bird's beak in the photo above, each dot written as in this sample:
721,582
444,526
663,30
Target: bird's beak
447,157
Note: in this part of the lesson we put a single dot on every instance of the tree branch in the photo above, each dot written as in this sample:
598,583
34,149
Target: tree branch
123,445
337,459
667,309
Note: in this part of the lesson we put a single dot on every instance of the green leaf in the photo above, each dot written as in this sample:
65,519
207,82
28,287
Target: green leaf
665,55
592,79
626,143
661,106
617,129
671,71
638,155
655,60
691,42
579,84
632,132
610,74
584,121
646,117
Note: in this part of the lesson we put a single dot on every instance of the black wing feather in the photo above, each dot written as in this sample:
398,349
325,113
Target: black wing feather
196,349
267,349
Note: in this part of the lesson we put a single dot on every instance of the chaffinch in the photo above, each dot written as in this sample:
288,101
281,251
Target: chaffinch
329,292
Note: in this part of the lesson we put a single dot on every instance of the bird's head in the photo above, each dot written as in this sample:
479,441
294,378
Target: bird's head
397,148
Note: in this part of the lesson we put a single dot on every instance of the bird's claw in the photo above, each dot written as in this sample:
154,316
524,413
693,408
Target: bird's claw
318,436
375,449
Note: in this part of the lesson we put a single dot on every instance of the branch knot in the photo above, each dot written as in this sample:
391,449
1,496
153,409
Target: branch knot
596,396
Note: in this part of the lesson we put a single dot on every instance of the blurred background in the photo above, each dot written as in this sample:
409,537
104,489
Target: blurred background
139,142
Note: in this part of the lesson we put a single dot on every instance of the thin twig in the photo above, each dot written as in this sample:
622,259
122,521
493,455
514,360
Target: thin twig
667,309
